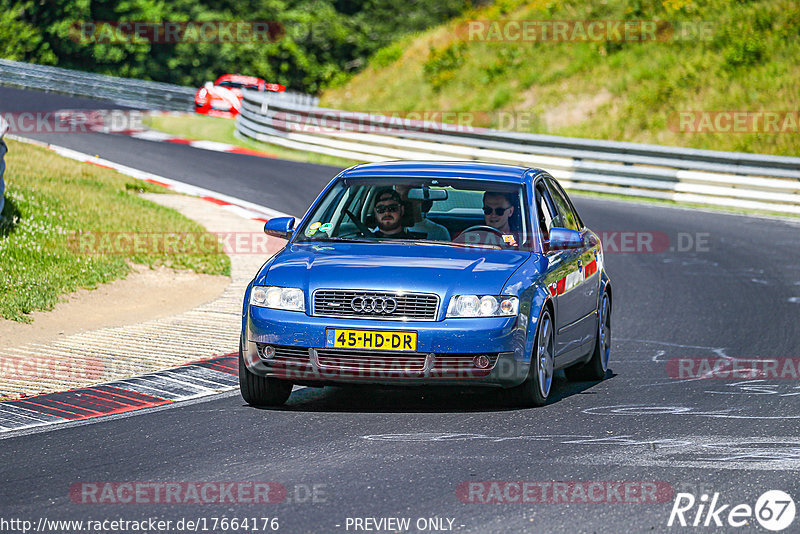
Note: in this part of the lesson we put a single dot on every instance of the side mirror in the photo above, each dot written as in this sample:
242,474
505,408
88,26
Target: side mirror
564,239
280,227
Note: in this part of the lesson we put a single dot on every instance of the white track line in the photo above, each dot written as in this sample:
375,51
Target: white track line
248,210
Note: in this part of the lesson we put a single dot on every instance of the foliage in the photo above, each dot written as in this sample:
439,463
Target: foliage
321,40
442,64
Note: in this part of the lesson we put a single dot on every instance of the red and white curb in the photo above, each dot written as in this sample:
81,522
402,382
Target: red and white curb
243,208
199,379
214,146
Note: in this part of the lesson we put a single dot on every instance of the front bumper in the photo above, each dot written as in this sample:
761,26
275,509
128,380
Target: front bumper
444,356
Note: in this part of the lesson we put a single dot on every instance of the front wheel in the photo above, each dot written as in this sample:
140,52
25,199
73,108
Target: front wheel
595,369
536,388
260,390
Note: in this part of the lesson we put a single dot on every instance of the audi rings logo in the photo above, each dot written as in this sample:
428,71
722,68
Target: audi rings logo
385,305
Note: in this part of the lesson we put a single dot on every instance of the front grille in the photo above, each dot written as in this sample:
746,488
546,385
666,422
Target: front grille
355,360
403,306
295,363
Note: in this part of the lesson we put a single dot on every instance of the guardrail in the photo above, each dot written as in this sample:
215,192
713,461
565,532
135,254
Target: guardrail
124,91
731,179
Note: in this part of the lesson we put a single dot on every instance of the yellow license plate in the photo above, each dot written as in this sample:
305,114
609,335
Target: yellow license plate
370,339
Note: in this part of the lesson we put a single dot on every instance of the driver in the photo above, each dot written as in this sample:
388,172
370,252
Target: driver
497,211
389,212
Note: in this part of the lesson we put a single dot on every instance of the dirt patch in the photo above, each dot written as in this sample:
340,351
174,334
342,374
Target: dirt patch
575,109
144,295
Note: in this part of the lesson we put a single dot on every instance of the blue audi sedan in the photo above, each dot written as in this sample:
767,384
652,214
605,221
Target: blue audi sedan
429,273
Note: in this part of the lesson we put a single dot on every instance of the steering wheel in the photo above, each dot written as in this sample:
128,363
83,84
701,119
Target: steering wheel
484,227
479,228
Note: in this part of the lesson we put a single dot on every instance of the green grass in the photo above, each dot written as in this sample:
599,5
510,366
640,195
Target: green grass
222,131
50,201
624,91
684,205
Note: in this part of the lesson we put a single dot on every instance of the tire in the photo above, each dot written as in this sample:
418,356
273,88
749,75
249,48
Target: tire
536,387
596,367
259,390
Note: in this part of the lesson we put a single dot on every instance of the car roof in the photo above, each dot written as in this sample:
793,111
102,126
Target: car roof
238,78
442,169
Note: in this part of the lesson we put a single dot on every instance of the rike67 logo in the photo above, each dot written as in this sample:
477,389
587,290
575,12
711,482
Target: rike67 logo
774,510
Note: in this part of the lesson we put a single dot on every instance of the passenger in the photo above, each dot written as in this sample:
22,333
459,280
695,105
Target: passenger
389,211
419,216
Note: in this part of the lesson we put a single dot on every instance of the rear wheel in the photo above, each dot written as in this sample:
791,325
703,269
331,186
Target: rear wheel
259,390
536,388
595,369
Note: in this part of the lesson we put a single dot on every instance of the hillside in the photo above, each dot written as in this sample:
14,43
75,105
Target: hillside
703,57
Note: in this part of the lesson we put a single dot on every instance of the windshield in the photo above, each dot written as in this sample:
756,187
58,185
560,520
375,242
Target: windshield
466,213
236,85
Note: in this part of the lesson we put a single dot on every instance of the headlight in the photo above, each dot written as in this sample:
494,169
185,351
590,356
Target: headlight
483,306
278,298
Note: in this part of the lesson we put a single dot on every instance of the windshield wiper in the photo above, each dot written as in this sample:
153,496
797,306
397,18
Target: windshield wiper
337,239
440,243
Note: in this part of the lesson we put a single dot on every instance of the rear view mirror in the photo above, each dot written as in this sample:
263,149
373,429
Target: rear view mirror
280,227
426,193
565,239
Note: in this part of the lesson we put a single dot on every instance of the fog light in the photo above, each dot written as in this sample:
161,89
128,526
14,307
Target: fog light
267,353
482,362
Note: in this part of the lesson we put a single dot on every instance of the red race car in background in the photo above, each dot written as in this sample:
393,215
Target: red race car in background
223,98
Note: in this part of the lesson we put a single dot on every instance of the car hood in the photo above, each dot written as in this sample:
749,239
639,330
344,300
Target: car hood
443,270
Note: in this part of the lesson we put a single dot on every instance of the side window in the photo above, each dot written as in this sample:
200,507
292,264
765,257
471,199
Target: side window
544,213
566,216
335,212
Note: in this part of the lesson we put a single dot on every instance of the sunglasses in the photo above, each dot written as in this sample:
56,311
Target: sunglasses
391,208
497,211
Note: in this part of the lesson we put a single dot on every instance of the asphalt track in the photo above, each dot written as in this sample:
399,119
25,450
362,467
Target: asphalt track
403,453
